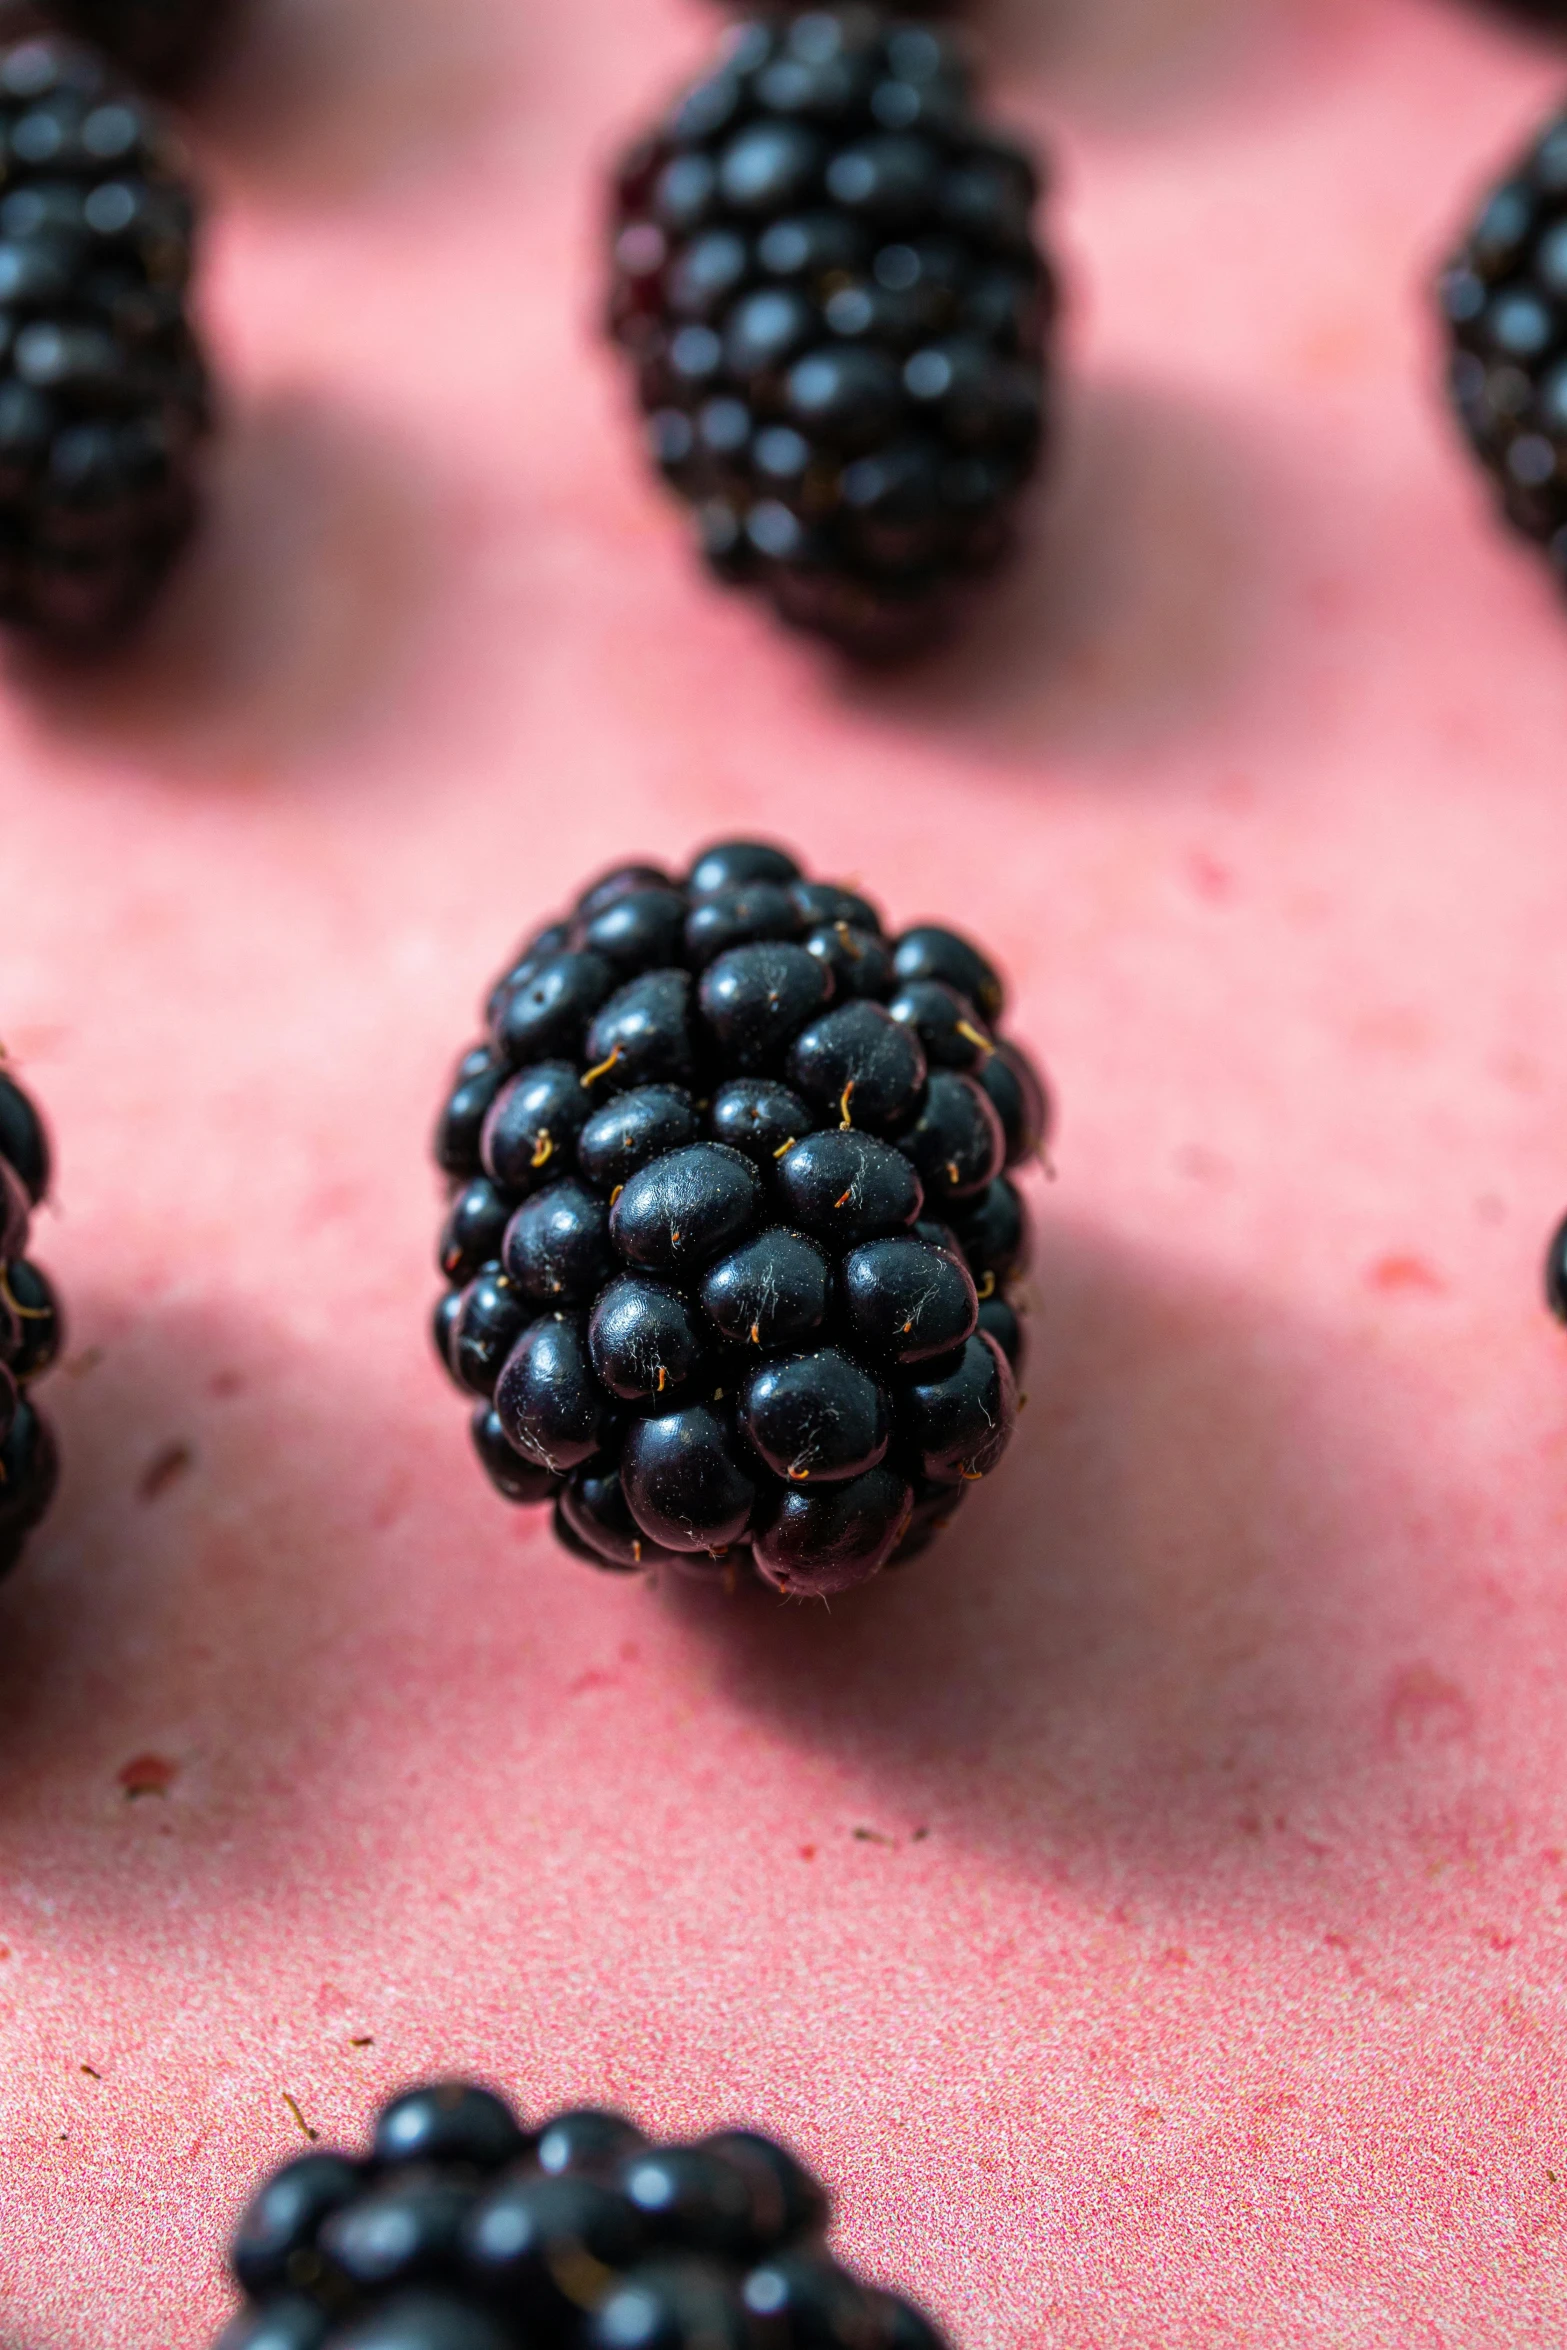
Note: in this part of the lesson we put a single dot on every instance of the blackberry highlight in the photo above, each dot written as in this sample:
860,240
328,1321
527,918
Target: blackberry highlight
31,1327
462,2229
731,1238
826,283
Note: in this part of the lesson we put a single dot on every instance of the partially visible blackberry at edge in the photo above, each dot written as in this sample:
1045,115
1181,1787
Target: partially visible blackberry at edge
463,2229
104,401
31,1326
731,1243
1504,297
905,8
1556,1272
826,282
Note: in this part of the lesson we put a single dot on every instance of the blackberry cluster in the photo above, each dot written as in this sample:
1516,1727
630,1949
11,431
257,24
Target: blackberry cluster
462,2230
1505,298
730,1239
31,1327
826,281
103,392
161,43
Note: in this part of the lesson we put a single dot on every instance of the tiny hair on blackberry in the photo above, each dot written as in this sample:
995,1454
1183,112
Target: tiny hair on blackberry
104,400
161,44
461,2227
1504,299
32,1326
733,1242
827,288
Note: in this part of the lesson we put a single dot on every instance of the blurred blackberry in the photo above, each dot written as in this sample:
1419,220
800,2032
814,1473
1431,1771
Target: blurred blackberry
783,9
826,283
731,1238
1556,1273
31,1327
103,391
1504,295
162,44
461,2230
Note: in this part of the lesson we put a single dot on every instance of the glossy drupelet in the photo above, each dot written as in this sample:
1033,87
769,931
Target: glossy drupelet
730,1234
1504,296
826,282
103,391
463,2230
31,1326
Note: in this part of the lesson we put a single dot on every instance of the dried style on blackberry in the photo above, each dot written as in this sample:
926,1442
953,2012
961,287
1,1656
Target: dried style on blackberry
31,1327
461,2229
730,1236
826,282
103,391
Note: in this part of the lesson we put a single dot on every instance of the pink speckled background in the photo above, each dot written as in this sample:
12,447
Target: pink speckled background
1222,2000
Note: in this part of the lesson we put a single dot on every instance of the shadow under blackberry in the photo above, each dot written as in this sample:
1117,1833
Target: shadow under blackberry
1129,620
322,98
294,604
1139,1651
1152,1655
1139,66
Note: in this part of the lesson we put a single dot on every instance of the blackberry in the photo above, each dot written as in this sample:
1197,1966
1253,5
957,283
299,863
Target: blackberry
731,1234
32,1327
1504,295
161,43
826,284
948,7
461,2230
1556,1273
103,390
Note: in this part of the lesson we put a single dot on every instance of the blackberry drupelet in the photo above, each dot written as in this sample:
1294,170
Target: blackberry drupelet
731,1236
103,390
826,283
31,1327
1504,295
159,43
461,2230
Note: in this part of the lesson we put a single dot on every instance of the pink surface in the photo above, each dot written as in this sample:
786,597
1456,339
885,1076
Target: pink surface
1149,1912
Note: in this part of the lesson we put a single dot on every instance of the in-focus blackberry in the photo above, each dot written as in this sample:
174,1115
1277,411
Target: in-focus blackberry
161,43
826,282
1505,299
103,390
731,1234
461,2230
32,1327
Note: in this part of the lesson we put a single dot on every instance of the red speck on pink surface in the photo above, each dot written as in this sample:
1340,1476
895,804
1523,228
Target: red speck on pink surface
1223,2001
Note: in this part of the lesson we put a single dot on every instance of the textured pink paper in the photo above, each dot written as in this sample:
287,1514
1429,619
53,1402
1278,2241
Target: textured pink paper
1148,1912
